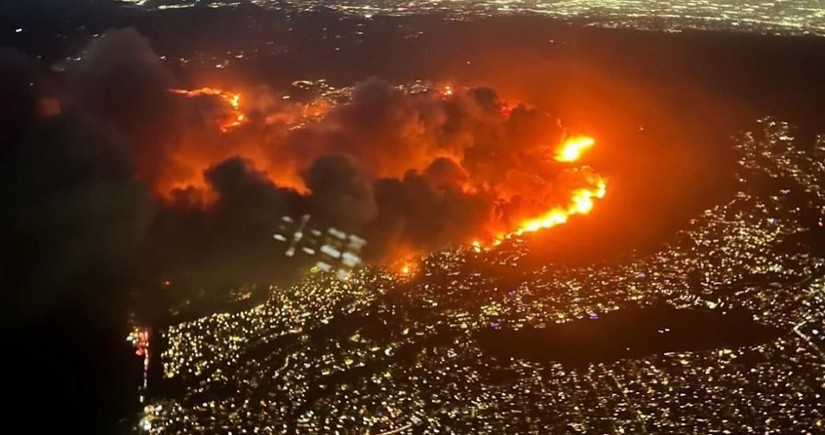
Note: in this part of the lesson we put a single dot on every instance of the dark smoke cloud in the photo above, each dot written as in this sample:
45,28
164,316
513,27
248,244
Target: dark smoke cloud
230,242
387,131
422,212
122,80
74,221
341,191
84,241
19,96
410,173
74,214
75,217
445,174
442,169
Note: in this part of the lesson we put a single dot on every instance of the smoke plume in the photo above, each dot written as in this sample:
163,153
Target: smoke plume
410,172
74,223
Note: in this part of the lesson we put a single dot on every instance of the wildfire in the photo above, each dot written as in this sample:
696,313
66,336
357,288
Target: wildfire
407,268
546,210
581,202
234,119
573,148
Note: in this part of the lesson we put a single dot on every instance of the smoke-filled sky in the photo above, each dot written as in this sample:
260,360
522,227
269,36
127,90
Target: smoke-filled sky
154,169
75,215
409,172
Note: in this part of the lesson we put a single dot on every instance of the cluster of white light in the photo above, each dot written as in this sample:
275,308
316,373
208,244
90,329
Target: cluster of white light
338,251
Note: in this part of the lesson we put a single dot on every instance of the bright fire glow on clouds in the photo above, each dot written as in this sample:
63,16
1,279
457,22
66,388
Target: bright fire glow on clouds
581,199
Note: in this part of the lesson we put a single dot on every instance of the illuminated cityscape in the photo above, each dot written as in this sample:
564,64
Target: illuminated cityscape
761,16
383,217
387,352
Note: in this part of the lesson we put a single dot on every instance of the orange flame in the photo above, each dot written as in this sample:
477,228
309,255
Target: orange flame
235,119
406,268
582,200
573,148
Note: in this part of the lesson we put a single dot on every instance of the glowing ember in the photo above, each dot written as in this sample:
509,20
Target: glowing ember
573,148
234,119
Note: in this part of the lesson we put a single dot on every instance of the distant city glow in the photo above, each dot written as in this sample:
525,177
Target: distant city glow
763,16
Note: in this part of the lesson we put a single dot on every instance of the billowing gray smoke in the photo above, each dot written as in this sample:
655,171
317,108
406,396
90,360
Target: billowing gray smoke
74,223
341,189
120,79
74,216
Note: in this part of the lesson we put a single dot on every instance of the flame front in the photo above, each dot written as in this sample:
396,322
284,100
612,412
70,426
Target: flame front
582,200
236,117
